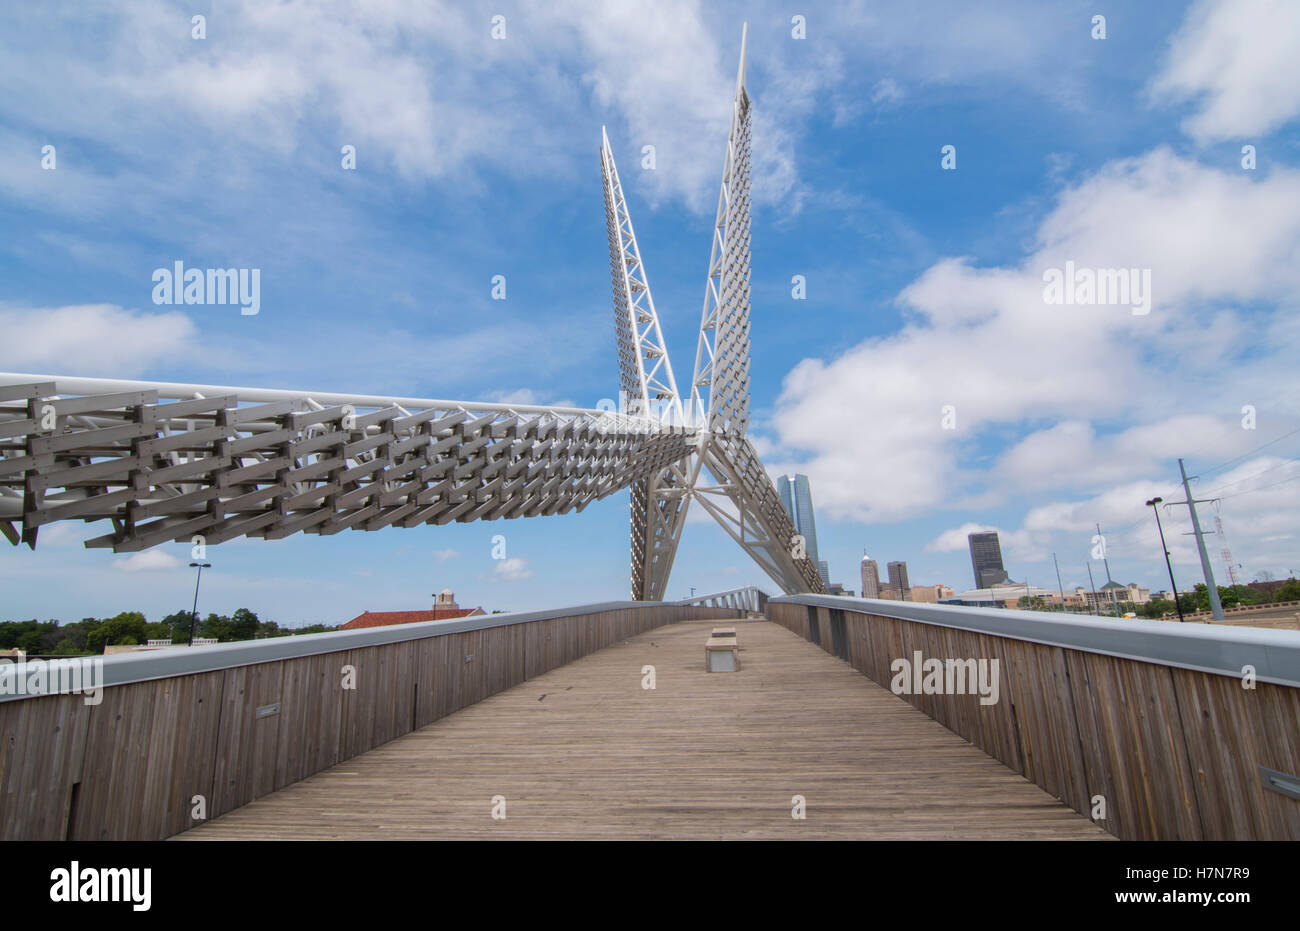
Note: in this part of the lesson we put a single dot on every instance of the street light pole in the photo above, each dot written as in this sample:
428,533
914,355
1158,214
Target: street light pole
1170,566
194,615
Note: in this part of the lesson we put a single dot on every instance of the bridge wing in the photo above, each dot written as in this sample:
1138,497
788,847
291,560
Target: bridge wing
168,462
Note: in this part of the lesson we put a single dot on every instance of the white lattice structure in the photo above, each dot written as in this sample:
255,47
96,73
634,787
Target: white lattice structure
724,474
169,462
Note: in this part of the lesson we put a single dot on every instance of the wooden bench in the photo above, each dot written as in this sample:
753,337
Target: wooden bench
722,651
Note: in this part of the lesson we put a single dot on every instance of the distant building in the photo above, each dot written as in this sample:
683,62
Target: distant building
930,594
1112,595
898,580
1008,596
444,609
796,498
870,577
986,559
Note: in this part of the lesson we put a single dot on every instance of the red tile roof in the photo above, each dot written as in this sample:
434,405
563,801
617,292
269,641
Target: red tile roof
385,618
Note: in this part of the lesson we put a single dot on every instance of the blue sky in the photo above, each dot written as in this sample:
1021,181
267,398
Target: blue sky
478,157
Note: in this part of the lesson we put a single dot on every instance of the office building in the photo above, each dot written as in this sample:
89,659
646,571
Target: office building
870,577
986,559
898,580
796,498
931,594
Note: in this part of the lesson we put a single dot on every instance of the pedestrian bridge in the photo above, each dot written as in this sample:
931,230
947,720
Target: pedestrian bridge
601,722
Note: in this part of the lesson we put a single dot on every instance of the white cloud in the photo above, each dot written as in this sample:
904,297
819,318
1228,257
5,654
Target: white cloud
148,561
1257,501
513,569
886,92
91,339
1236,59
520,396
955,539
444,555
1045,378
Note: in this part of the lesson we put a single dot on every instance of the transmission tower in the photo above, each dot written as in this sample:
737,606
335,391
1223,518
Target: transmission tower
1225,552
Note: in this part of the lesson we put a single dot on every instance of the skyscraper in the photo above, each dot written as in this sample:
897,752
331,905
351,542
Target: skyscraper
898,580
986,559
796,497
870,577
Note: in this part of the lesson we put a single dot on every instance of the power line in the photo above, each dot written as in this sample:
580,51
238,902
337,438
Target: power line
1251,491
1178,486
1206,472
1284,462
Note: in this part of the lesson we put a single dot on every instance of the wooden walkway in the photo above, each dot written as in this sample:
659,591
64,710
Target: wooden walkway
584,751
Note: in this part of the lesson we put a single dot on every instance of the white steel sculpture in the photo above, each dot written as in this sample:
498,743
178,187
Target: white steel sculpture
171,462
724,472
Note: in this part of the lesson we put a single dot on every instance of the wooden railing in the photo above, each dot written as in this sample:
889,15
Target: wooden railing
1155,726
186,732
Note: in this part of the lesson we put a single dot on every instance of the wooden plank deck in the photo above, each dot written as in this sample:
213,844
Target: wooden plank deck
584,751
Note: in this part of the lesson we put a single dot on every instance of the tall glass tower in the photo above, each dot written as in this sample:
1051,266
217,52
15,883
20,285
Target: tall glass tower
796,498
986,559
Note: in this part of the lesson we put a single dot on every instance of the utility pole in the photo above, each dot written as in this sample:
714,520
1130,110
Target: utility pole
1096,603
1058,582
1212,590
1106,562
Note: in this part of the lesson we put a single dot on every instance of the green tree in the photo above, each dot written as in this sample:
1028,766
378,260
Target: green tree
158,631
271,629
29,641
178,625
1288,591
67,647
313,629
125,628
1032,603
11,631
243,625
215,627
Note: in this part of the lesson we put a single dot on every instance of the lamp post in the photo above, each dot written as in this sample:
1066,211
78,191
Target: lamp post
194,615
1170,566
